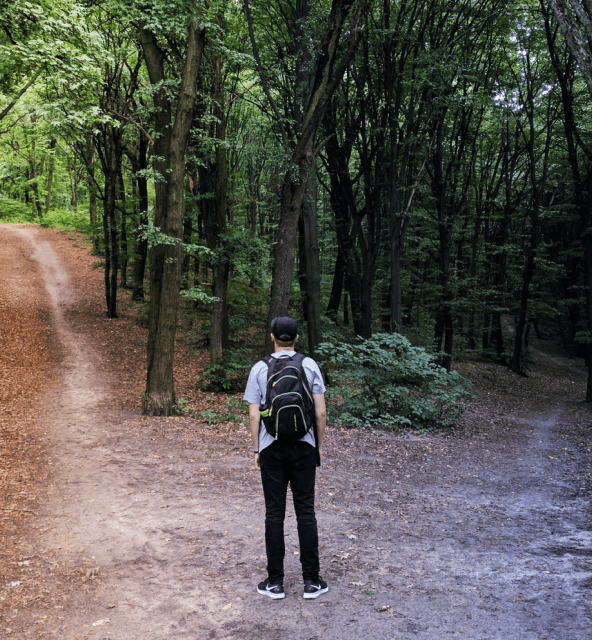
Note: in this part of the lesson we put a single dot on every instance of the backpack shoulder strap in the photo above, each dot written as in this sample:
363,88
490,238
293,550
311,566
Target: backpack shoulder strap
299,359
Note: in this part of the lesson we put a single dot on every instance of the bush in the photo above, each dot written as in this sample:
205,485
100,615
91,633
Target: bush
235,413
16,211
61,219
387,381
229,375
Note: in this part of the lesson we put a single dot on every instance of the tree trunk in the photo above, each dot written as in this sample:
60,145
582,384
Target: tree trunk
395,288
74,186
139,162
335,296
527,275
89,152
253,196
326,74
123,230
581,183
217,226
34,181
444,321
111,155
187,235
302,267
50,174
498,336
473,269
293,193
166,260
537,174
312,267
107,243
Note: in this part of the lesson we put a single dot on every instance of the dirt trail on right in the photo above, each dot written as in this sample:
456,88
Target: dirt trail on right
483,534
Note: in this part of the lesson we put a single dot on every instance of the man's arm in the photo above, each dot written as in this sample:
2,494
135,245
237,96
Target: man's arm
254,419
320,416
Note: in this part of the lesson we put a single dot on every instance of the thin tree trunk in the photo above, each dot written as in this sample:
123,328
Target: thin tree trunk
123,230
312,267
473,269
50,174
138,159
90,165
34,183
302,267
111,161
335,296
527,276
253,196
444,321
220,270
187,234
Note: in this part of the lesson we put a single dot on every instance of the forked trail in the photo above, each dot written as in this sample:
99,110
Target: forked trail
481,535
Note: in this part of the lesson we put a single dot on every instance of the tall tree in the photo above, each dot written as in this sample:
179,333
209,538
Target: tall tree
172,123
326,70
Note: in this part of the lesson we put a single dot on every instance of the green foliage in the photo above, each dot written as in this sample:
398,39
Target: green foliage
68,220
386,381
197,294
330,330
19,212
15,211
229,375
181,407
240,294
154,236
235,413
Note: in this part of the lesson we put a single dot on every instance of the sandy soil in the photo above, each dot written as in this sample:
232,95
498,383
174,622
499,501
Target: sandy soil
152,528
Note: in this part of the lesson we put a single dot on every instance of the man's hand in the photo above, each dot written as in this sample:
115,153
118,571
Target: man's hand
256,460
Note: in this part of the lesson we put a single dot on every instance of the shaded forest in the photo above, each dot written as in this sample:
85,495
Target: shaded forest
411,180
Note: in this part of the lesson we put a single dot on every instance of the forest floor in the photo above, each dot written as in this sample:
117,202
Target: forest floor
116,526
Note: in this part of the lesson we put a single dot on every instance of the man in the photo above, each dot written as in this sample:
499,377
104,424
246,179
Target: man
291,462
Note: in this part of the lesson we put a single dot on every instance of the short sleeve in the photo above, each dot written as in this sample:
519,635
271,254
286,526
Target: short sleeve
253,391
314,376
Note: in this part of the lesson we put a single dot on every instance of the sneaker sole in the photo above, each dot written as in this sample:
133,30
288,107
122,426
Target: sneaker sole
274,596
310,596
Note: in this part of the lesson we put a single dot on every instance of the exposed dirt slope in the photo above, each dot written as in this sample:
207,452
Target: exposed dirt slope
481,533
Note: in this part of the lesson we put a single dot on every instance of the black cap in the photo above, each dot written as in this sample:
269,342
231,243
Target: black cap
284,328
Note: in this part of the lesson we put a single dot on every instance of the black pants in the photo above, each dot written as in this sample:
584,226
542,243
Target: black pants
294,463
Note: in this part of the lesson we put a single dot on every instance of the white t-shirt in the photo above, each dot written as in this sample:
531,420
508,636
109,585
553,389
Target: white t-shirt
255,391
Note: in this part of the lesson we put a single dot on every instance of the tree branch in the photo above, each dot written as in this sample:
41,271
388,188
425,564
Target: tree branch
9,107
262,75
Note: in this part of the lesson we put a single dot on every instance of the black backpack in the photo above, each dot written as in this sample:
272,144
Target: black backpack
289,410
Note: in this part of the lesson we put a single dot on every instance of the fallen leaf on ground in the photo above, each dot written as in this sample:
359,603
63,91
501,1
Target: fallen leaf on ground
101,622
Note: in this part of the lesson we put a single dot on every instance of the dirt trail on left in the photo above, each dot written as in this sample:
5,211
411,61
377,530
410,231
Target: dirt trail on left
61,407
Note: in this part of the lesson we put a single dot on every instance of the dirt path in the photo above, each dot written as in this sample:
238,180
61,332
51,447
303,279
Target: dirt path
485,533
